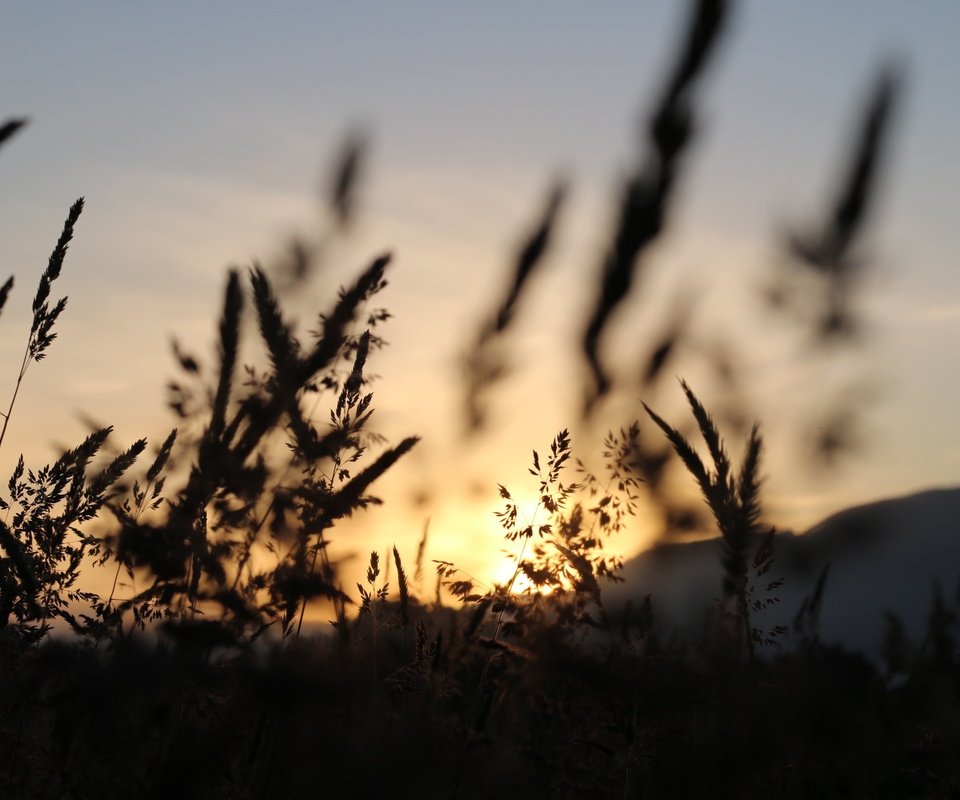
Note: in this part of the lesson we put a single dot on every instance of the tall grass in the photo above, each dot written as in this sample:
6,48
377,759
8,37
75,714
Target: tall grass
201,682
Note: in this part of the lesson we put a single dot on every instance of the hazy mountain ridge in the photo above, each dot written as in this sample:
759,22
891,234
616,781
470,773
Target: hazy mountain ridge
884,556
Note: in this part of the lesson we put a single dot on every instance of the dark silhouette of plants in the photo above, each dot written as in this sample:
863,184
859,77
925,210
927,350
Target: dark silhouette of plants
484,364
199,553
833,251
202,552
107,619
536,687
9,128
43,541
648,191
827,262
44,316
734,501
562,551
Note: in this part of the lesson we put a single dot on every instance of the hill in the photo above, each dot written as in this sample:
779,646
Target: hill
883,556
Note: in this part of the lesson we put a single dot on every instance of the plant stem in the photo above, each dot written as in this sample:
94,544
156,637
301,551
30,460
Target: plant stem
23,371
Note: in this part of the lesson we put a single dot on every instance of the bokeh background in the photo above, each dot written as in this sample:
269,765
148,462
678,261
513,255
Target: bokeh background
203,136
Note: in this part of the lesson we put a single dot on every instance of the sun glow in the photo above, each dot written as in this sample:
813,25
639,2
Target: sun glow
529,513
507,574
533,524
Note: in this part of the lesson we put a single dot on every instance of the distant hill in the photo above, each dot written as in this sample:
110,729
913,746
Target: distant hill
884,556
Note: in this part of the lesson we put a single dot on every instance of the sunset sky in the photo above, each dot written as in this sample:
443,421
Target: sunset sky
201,134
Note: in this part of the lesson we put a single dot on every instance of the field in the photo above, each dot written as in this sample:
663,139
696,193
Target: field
425,681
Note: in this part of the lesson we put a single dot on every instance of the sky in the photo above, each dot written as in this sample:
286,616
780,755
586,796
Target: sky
201,134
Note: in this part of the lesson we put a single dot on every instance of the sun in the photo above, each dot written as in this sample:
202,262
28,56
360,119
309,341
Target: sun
504,571
529,512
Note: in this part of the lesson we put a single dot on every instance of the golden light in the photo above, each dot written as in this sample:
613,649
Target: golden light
530,513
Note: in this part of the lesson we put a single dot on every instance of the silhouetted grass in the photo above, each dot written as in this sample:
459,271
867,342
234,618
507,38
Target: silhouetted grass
200,684
648,191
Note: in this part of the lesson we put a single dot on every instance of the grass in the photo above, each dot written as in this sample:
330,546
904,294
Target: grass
201,682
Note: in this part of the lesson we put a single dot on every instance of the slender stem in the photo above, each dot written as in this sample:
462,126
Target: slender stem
303,603
322,548
373,624
16,389
341,617
496,634
248,544
513,579
113,588
116,575
251,537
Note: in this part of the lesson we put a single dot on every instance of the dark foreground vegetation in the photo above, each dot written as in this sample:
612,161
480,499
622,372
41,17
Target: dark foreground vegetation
204,682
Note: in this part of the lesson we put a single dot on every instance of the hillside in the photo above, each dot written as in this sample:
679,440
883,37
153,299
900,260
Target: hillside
884,556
